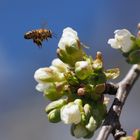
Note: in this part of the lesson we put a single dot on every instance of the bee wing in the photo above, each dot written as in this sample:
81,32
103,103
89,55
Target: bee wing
54,35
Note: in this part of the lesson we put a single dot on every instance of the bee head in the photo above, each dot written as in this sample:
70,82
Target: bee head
28,35
25,36
50,33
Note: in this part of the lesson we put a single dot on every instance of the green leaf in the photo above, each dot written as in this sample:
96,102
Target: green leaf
134,57
90,134
112,73
97,78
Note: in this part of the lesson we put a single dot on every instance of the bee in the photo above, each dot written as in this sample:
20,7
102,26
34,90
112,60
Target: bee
38,36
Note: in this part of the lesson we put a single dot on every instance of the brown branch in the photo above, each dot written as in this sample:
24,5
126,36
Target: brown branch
119,133
112,123
110,89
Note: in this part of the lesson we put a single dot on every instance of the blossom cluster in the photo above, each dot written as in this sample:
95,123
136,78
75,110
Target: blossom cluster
75,83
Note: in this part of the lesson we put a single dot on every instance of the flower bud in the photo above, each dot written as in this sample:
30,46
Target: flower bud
79,131
55,91
87,110
69,38
78,102
122,40
83,118
54,116
100,88
83,69
59,65
98,62
55,105
43,86
138,34
70,113
138,26
136,134
81,91
86,113
69,50
92,125
44,75
69,32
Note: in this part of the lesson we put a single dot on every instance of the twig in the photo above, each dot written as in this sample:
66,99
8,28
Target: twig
112,123
110,89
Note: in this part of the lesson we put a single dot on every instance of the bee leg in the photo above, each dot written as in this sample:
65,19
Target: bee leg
38,42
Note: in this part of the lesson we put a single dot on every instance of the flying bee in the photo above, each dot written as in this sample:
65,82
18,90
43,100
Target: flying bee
38,36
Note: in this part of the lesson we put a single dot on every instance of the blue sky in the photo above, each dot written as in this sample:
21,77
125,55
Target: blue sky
95,22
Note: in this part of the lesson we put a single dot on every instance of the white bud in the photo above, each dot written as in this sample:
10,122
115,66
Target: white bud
69,38
70,113
44,75
59,65
83,69
81,64
42,86
40,74
70,50
69,32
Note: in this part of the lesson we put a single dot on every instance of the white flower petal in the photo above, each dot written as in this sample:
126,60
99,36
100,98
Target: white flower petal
41,87
122,32
69,38
40,74
69,32
66,41
122,40
53,68
59,65
70,113
113,43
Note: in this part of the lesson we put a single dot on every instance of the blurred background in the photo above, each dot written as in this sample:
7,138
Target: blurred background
22,115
